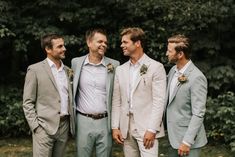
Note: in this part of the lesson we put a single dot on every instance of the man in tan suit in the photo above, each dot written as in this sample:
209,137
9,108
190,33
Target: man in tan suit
138,98
47,100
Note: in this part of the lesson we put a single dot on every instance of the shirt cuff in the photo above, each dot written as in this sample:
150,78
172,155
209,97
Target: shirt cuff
187,144
153,131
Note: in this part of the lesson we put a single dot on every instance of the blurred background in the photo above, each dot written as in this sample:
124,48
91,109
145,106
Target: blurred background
209,23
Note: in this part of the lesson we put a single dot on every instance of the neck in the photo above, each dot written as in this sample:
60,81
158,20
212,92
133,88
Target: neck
95,58
135,57
57,62
181,63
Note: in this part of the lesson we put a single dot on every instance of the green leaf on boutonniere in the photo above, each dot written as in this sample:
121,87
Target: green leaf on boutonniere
143,69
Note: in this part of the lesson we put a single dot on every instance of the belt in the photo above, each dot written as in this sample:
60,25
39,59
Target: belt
94,116
64,117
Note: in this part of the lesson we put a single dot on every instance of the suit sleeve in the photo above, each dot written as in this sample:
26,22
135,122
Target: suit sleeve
198,102
29,98
116,101
158,94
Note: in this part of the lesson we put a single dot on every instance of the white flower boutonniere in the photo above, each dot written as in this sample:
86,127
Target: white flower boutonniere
110,67
143,69
182,79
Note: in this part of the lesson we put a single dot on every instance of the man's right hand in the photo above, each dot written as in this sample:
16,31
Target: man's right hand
117,136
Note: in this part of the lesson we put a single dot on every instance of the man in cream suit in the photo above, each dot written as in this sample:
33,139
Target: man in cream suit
186,101
92,89
138,98
47,100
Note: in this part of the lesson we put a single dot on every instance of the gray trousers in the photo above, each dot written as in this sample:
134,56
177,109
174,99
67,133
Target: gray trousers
45,145
93,134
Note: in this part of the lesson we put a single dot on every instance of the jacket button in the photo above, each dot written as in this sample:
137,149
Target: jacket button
59,112
59,101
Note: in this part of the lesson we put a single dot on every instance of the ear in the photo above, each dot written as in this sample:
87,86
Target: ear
88,42
181,54
47,49
138,43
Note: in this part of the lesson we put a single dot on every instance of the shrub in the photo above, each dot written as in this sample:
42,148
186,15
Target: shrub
12,120
220,118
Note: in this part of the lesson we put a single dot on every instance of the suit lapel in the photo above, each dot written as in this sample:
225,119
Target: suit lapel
77,72
186,73
147,63
170,75
108,78
49,72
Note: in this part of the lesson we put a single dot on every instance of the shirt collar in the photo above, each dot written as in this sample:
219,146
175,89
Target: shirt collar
86,62
181,71
140,61
52,64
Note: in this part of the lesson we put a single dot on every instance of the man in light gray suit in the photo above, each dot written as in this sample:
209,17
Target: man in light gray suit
93,89
186,100
47,100
138,98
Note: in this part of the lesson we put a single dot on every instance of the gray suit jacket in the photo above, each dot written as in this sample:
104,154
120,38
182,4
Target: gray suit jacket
148,98
41,99
185,110
77,64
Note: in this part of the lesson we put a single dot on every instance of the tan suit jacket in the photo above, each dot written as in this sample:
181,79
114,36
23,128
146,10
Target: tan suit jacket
41,99
148,98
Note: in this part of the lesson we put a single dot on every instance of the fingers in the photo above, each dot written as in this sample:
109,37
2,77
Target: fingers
149,138
183,153
148,143
117,136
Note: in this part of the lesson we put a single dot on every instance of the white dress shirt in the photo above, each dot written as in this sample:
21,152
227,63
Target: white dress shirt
62,85
92,88
174,81
133,75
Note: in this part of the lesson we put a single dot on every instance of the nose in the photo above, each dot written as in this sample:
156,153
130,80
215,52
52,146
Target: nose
64,48
166,53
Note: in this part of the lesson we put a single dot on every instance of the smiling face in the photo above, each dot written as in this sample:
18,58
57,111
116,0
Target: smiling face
97,44
57,51
128,46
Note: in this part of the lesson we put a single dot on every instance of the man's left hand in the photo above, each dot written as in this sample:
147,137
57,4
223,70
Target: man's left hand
149,138
183,150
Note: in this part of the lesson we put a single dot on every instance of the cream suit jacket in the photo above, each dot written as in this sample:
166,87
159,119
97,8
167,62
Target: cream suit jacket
41,99
186,109
77,64
148,98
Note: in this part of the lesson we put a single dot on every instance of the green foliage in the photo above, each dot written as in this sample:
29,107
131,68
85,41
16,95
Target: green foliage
220,117
12,121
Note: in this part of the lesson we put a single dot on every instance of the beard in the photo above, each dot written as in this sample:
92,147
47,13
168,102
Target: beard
173,60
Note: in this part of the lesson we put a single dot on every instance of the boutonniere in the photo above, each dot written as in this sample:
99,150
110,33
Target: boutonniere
110,67
143,69
182,79
70,74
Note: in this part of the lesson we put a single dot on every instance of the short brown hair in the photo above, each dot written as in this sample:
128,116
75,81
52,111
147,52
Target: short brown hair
46,40
136,34
91,32
182,44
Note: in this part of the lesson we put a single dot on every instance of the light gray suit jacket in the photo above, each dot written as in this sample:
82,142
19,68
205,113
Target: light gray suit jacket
77,64
185,110
41,99
148,98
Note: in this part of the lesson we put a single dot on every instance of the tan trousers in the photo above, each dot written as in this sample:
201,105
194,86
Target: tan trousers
45,145
134,146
